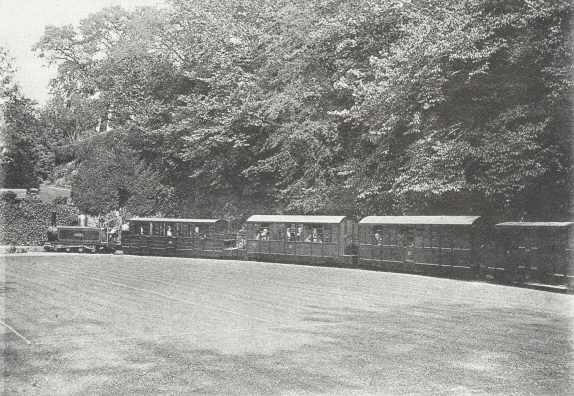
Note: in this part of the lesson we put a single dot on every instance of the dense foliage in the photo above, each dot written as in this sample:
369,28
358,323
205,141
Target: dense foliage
25,154
330,106
26,222
111,177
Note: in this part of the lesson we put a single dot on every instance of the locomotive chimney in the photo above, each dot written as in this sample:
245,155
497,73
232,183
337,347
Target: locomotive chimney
53,229
82,220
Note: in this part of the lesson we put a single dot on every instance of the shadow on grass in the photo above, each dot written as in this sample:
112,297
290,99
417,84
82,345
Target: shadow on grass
415,350
418,349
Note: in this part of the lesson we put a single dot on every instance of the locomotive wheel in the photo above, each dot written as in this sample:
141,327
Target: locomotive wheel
68,250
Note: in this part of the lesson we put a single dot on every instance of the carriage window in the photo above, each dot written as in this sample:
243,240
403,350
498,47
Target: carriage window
329,233
199,231
377,235
277,232
157,229
385,235
170,230
418,236
393,233
140,228
299,232
183,230
314,233
293,232
263,233
406,237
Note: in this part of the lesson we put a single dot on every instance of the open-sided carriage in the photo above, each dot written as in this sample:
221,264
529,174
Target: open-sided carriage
179,237
301,239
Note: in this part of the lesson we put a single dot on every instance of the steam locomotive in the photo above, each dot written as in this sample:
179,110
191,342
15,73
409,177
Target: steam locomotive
81,239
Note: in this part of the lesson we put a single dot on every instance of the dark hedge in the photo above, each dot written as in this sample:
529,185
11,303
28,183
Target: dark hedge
26,223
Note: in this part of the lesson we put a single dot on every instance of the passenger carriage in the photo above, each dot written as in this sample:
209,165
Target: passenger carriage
433,245
177,237
296,239
535,252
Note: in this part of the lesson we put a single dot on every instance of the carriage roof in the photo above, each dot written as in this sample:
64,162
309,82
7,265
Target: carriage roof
420,220
79,228
536,224
295,219
175,220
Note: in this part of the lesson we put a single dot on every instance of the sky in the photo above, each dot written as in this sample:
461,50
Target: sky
22,23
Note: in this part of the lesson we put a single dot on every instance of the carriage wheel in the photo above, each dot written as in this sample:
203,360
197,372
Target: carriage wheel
80,250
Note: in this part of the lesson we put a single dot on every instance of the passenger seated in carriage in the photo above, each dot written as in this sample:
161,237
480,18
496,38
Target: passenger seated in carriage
299,235
197,233
169,232
378,239
314,237
263,235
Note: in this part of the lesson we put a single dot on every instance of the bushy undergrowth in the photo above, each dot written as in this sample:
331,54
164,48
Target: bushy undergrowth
26,223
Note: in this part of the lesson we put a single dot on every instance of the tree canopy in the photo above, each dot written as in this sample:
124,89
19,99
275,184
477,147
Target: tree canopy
364,107
25,155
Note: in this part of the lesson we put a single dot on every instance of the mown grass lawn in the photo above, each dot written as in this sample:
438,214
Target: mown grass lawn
93,324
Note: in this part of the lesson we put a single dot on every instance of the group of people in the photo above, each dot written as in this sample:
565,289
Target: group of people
169,232
292,235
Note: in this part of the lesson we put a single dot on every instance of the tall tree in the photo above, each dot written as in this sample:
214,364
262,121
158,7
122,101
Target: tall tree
24,157
111,176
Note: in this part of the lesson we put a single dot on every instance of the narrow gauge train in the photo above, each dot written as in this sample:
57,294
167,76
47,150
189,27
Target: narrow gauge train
452,246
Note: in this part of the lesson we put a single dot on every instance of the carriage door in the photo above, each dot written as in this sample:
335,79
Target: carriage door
407,244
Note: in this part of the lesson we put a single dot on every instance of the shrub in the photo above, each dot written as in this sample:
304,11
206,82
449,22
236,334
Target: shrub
26,223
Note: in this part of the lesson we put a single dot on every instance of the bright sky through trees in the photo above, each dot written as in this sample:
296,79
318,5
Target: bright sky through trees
22,23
